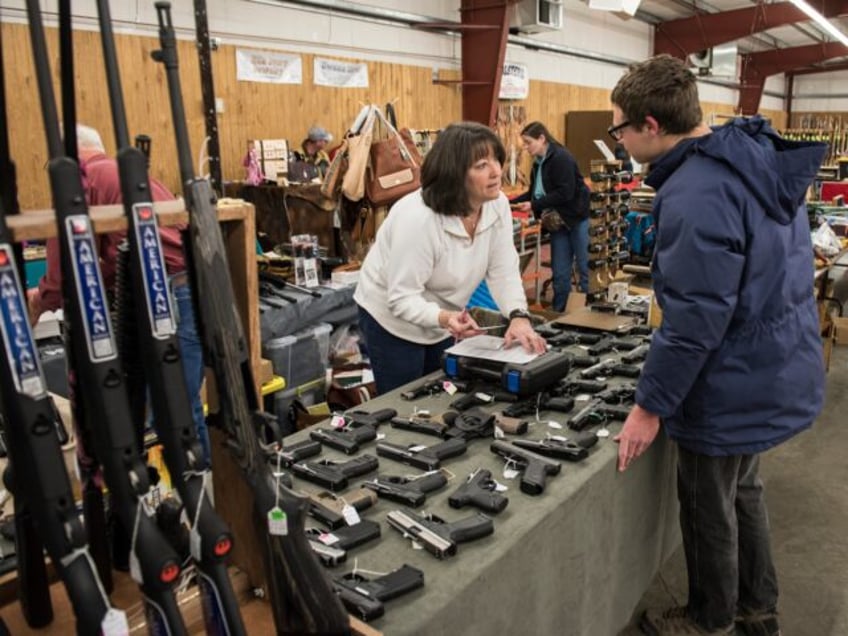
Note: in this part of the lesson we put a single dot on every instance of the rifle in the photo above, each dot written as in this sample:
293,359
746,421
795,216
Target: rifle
211,540
301,594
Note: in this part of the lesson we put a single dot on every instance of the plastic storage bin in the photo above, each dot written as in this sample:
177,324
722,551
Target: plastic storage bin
309,393
302,356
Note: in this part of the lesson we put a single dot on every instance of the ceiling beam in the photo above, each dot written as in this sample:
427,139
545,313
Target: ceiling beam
820,69
702,31
756,67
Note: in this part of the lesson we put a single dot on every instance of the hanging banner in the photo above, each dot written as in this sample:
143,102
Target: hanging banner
515,82
268,66
340,74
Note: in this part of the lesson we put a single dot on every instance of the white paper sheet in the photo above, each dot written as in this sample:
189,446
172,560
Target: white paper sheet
491,348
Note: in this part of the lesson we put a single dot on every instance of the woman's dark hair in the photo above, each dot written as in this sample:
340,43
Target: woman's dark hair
536,128
446,165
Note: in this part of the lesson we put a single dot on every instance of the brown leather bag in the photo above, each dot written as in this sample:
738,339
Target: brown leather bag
394,169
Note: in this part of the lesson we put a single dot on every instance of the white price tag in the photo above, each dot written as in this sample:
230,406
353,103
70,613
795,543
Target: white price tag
416,545
554,424
602,433
449,387
582,397
114,623
417,448
278,525
328,538
499,434
510,473
350,514
338,421
195,544
499,487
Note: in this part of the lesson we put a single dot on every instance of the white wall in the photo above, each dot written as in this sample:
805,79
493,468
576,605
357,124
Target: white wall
267,24
835,85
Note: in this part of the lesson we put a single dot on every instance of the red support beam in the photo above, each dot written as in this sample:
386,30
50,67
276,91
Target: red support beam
821,69
698,32
483,52
756,67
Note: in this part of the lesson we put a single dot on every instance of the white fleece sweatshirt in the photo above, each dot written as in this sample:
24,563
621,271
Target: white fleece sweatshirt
422,262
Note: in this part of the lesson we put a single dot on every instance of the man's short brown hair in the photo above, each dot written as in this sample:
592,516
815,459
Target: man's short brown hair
663,88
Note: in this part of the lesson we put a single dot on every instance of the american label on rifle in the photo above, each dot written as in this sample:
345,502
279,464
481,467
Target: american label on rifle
160,313
97,326
17,334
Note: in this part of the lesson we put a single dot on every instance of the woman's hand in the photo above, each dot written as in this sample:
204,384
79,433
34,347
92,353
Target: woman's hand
521,330
459,323
524,206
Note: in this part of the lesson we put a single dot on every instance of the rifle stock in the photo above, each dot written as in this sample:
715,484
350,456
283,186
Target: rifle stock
301,594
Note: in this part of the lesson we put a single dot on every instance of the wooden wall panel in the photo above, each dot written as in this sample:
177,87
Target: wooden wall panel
251,110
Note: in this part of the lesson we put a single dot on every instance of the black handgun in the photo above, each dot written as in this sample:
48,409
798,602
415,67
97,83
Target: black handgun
424,457
346,440
534,468
597,412
479,491
334,475
566,338
575,386
425,426
618,394
411,491
298,451
346,537
430,387
437,535
572,449
638,354
612,344
542,402
365,597
610,367
482,397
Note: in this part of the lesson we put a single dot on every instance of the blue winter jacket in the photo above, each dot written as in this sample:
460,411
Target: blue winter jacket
736,366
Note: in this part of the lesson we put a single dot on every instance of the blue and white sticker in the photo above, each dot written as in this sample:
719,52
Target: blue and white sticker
21,353
160,312
97,326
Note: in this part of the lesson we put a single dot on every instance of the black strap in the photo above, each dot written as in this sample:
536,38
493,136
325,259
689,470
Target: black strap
66,49
391,115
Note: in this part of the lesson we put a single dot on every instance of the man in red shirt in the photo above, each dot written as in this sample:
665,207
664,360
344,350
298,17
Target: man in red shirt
103,187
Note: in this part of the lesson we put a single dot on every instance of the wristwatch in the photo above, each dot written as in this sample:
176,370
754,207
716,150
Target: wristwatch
519,313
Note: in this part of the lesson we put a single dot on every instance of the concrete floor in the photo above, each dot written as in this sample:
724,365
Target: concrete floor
806,482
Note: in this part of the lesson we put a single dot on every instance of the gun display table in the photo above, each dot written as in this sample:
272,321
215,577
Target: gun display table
574,560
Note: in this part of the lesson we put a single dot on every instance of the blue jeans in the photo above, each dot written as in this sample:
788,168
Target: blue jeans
191,351
566,247
396,361
725,529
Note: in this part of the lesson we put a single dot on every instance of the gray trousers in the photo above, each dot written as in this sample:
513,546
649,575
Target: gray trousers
725,530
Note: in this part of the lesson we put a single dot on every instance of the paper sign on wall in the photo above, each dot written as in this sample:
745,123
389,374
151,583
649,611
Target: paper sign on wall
515,82
268,66
340,74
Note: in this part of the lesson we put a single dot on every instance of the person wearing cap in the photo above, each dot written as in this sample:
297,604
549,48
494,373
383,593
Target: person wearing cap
313,146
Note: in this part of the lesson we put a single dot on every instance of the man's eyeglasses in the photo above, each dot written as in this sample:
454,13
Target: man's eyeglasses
615,131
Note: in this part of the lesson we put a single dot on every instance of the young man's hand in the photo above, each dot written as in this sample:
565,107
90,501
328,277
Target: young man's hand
639,431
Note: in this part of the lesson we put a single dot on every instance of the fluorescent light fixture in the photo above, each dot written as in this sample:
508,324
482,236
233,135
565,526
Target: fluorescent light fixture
823,22
625,6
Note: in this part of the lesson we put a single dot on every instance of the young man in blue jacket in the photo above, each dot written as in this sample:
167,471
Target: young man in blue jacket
736,366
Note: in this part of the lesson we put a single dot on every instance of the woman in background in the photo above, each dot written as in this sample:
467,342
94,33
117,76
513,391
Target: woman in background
430,254
560,198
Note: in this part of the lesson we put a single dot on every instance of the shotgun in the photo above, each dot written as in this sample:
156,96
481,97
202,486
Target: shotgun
300,592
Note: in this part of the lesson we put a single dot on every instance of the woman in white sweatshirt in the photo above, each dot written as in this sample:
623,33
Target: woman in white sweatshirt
430,255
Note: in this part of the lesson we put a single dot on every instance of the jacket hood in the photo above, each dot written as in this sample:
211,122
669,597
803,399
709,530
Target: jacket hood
776,171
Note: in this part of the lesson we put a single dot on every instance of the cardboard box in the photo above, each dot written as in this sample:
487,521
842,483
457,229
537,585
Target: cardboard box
840,330
273,155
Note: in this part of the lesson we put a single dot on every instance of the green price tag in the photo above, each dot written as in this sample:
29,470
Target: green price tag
277,522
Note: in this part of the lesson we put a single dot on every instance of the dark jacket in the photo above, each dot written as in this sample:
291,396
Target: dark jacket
736,366
565,190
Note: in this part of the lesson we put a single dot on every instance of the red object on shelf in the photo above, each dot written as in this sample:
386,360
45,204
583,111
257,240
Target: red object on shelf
832,189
